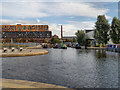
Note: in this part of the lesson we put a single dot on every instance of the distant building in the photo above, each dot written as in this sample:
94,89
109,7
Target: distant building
90,34
90,38
37,32
69,38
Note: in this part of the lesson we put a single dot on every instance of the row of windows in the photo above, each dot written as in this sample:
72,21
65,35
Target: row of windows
25,28
26,34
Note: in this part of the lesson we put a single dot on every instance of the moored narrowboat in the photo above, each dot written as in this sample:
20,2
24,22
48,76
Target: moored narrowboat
113,48
78,46
64,46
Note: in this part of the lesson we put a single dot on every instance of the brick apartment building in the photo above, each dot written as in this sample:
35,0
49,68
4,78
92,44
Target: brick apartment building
38,33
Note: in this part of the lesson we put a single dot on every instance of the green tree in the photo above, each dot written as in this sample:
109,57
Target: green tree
74,40
80,37
102,29
8,40
46,41
16,40
24,39
55,40
115,30
31,39
66,40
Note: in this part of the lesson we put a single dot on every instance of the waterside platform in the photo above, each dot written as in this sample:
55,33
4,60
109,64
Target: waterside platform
13,83
25,52
96,48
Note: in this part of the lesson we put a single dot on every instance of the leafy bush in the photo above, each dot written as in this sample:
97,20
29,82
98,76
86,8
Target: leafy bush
97,45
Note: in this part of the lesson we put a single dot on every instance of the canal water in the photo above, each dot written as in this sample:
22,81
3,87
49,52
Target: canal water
67,67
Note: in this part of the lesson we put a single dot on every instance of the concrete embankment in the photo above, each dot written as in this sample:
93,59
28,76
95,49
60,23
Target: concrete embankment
12,83
93,48
25,52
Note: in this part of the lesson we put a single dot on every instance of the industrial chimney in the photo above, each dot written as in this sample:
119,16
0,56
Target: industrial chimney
61,32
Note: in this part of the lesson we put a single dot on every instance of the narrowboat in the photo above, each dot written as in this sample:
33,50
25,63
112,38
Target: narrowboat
45,46
55,46
78,46
64,46
113,48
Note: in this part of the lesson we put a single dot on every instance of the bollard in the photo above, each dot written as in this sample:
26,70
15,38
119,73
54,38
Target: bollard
4,49
20,49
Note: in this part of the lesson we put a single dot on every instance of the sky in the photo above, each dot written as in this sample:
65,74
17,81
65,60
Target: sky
73,15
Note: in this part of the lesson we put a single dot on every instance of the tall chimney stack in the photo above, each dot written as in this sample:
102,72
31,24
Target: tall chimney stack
61,32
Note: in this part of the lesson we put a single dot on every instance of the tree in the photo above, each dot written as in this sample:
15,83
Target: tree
24,39
55,40
31,39
102,29
80,37
16,40
8,40
46,41
115,30
74,39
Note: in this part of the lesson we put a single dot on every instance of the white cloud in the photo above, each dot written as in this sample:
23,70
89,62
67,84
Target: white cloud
60,0
83,24
71,28
38,20
35,10
23,10
8,21
76,9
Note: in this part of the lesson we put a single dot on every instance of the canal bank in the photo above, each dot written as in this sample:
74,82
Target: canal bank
24,52
12,83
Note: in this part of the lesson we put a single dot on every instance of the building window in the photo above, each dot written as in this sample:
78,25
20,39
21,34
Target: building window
33,27
41,27
5,28
29,27
19,28
15,28
11,27
46,28
36,27
24,27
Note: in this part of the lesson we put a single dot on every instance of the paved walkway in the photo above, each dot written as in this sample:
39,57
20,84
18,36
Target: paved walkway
11,83
96,48
25,52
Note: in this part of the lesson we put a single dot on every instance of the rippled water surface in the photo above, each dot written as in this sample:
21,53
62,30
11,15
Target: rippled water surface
72,68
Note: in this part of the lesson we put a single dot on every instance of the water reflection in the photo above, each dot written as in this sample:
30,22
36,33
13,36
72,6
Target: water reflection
100,54
71,68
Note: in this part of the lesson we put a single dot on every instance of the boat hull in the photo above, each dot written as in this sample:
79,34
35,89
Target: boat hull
64,47
78,47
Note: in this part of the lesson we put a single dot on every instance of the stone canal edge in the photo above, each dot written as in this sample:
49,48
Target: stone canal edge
33,52
13,83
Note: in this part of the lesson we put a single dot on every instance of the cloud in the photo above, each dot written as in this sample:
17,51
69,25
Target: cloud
23,10
76,9
8,21
83,24
38,20
71,28
60,0
35,10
